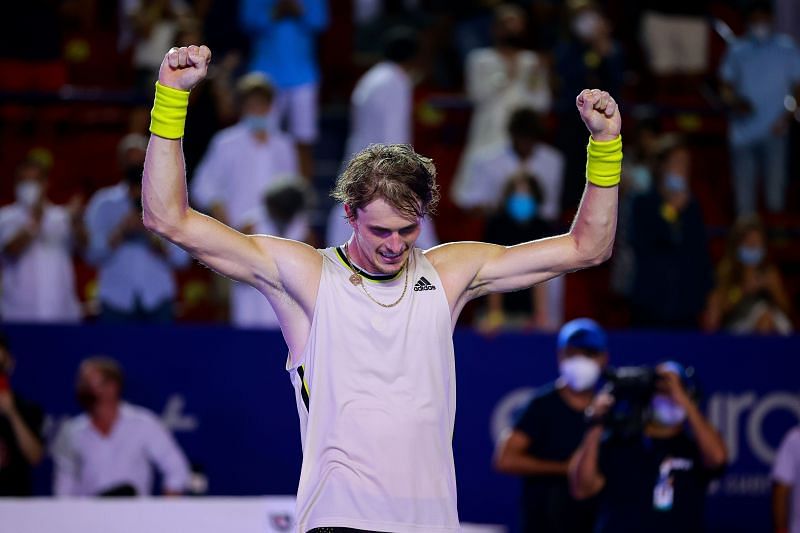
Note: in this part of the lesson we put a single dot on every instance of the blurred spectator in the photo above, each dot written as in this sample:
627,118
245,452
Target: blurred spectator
150,27
500,79
673,269
488,169
244,160
135,267
749,296
382,101
550,430
111,448
675,36
374,20
587,57
37,239
338,230
656,478
518,220
761,72
20,432
283,35
282,214
637,179
786,484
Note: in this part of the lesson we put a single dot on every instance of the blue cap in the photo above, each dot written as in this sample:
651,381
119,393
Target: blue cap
583,333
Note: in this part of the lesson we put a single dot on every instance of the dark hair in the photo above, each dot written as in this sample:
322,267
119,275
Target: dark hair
108,367
394,172
400,44
525,122
255,84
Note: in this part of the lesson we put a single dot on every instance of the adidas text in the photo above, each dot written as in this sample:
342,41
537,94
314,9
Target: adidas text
424,285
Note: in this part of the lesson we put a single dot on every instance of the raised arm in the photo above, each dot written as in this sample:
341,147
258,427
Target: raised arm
277,267
470,269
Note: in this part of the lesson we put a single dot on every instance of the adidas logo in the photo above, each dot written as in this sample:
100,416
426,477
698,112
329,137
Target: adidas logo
424,285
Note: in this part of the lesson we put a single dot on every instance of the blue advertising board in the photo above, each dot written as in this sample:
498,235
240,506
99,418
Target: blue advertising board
226,396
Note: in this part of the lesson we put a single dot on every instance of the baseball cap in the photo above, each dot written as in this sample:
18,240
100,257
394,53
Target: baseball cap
583,333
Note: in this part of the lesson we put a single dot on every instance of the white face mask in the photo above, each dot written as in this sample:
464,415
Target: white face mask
579,372
28,193
666,412
586,24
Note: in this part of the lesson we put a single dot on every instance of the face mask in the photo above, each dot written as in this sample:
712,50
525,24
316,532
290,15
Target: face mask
579,372
521,207
761,31
666,412
675,183
586,25
28,193
641,178
750,255
256,123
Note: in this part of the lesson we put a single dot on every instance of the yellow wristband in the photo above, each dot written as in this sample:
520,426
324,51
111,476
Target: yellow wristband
168,117
604,162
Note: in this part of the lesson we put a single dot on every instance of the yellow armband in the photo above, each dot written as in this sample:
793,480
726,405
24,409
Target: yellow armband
604,162
168,117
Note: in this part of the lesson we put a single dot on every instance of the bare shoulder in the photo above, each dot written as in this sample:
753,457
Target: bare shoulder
298,267
458,264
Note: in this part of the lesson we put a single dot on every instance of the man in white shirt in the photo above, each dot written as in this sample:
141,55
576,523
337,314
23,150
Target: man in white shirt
382,101
244,160
136,280
110,450
488,170
36,243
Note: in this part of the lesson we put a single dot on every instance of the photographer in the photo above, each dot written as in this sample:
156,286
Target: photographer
654,479
20,433
550,429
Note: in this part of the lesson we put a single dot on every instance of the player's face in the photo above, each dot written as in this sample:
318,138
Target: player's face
383,237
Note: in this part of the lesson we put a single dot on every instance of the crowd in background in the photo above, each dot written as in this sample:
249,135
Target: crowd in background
708,224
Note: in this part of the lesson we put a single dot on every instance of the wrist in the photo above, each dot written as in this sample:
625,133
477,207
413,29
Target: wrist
168,116
604,160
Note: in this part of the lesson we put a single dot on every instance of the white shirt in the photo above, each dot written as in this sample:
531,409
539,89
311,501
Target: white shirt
339,230
250,308
133,272
39,284
376,393
380,108
488,170
87,462
238,169
786,471
495,95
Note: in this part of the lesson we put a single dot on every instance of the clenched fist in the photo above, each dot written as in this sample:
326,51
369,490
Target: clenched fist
184,67
600,113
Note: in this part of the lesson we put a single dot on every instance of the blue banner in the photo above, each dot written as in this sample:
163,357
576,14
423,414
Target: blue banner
227,397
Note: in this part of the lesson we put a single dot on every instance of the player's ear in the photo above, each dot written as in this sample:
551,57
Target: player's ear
350,213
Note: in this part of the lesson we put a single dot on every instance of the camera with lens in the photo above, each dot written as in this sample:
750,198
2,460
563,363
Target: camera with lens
632,388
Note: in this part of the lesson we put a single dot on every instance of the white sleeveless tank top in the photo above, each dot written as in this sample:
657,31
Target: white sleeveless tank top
375,390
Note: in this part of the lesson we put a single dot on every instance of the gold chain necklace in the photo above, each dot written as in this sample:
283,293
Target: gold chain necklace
356,279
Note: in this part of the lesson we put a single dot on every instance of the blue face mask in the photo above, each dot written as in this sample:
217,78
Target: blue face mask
256,123
675,182
750,255
521,207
